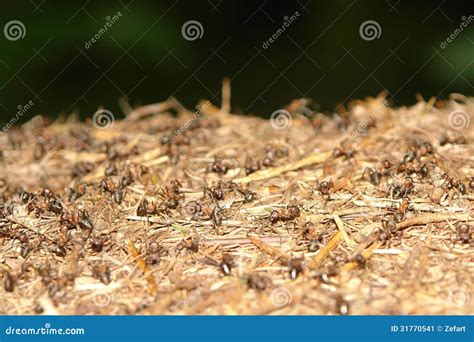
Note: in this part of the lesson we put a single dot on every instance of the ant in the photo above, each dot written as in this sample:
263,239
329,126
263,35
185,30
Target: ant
172,194
343,150
325,186
8,281
217,191
153,253
251,166
389,228
374,175
258,282
80,218
400,211
226,264
465,233
289,213
145,208
218,167
399,191
248,196
190,243
101,271
360,260
295,267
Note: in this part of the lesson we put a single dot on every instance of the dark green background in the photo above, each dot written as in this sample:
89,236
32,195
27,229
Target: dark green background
145,58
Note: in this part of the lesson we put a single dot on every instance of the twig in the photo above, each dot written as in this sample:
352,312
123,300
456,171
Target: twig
276,171
152,287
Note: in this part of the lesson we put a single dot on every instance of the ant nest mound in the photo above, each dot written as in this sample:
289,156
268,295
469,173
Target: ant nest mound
368,210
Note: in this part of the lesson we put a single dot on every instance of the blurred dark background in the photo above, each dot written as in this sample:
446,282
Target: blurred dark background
144,57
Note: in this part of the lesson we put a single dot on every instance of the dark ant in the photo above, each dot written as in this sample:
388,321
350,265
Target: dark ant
226,264
457,139
400,210
425,148
258,282
97,243
144,208
389,228
110,184
374,176
342,306
360,260
194,208
215,216
313,245
399,191
80,218
343,151
291,212
8,281
272,152
74,193
55,206
117,196
424,171
407,167
324,187
60,251
218,167
251,166
84,221
295,267
190,243
171,195
248,196
153,253
111,170
81,169
101,271
409,157
216,192
464,233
